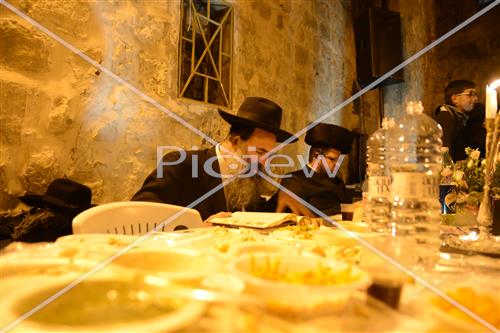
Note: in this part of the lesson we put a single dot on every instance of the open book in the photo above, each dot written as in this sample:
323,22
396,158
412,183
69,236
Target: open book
257,219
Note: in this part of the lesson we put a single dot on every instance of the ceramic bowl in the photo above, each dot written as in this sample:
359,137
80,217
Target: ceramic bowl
300,285
480,301
175,264
192,238
98,304
251,248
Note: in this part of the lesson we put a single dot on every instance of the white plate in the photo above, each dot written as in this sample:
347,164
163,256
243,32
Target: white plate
192,238
325,236
15,266
119,305
180,265
250,248
93,239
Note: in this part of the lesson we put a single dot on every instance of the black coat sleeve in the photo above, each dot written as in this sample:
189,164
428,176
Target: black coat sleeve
343,193
450,129
164,186
291,184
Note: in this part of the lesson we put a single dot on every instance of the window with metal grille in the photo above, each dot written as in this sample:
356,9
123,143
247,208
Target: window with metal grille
205,52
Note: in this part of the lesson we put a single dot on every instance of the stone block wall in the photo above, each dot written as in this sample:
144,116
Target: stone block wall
61,116
470,54
418,29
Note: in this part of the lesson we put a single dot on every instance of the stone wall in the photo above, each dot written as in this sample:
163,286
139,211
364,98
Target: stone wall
418,29
61,116
470,54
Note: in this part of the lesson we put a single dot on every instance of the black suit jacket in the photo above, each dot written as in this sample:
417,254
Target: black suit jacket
454,135
322,192
185,182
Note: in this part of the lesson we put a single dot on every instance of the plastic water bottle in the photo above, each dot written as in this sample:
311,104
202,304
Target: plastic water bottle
415,161
377,207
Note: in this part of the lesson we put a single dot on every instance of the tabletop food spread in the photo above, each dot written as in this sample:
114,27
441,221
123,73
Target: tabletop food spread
287,279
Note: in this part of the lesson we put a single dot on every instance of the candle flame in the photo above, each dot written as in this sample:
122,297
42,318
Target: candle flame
495,84
491,100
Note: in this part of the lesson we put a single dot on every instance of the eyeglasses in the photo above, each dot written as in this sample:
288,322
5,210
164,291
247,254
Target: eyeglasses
332,159
470,94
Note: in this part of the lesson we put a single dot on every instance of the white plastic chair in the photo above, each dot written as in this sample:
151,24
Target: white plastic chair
134,218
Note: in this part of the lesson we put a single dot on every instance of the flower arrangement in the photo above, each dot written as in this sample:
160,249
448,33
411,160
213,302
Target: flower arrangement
467,180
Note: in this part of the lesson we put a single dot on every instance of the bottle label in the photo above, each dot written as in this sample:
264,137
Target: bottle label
414,185
379,186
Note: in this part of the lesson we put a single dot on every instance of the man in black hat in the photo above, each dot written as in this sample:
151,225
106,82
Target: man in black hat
183,179
317,182
63,196
52,213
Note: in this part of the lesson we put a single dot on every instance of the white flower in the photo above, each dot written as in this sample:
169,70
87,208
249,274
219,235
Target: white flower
475,154
446,172
458,175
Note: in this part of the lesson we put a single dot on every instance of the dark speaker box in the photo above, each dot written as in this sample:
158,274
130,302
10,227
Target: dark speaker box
378,46
357,160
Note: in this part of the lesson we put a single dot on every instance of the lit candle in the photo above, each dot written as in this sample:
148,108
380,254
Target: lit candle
491,100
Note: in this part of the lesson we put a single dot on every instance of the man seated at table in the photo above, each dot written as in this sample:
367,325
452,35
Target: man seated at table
317,183
182,180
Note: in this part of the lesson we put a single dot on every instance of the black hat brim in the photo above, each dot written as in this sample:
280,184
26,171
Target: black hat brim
40,201
33,200
331,136
281,135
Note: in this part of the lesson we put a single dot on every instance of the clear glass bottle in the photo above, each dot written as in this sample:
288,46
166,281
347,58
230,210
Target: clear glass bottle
377,207
415,162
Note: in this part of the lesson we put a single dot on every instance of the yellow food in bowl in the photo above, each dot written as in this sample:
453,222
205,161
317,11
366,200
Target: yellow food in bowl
302,231
260,247
483,305
96,303
107,303
272,269
322,286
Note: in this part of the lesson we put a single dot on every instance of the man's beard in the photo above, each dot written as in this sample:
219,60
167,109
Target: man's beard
243,193
321,171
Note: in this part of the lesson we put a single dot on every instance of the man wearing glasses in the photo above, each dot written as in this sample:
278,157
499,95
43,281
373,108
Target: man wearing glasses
460,97
317,183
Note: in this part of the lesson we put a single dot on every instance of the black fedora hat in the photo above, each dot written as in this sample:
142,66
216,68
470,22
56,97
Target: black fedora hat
62,194
261,113
328,135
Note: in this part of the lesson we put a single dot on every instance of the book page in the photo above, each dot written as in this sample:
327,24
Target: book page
256,219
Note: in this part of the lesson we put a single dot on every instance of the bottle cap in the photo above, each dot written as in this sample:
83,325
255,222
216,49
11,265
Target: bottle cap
388,122
414,107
